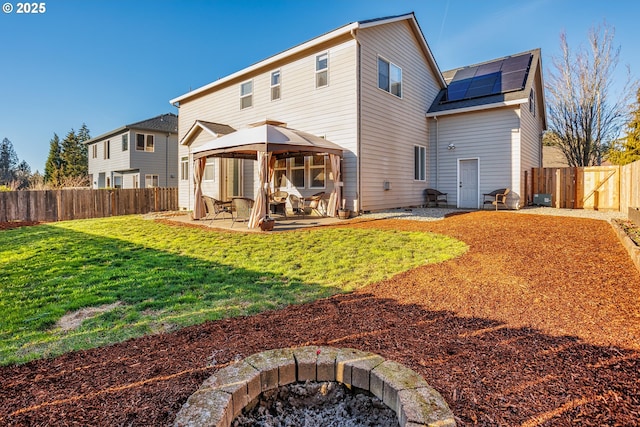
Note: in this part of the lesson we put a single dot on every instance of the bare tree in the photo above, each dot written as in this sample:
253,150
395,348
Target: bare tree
584,118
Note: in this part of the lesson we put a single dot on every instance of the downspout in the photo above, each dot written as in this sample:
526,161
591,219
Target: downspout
358,208
166,161
437,162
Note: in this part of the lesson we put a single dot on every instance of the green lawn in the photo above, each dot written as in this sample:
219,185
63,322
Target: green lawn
165,277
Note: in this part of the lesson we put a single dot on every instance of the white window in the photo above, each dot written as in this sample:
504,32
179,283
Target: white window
209,170
136,181
280,170
151,181
317,171
389,77
296,164
420,163
125,142
144,142
322,70
94,151
117,181
184,168
246,94
107,149
275,85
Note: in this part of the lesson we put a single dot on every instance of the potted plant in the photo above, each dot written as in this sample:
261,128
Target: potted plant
344,213
266,223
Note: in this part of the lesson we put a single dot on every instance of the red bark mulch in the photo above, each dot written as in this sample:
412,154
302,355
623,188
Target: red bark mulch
538,324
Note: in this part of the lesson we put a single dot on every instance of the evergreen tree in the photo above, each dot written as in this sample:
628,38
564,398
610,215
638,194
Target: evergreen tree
53,167
74,157
8,162
23,175
627,150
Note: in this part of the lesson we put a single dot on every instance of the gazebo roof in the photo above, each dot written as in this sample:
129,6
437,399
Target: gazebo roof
267,137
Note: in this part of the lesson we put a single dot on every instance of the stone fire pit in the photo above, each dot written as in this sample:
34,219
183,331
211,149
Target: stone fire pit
224,395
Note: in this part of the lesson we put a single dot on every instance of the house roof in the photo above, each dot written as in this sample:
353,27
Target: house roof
214,129
510,94
165,123
346,29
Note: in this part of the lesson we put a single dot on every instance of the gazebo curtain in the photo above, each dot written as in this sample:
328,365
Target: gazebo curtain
198,172
334,199
259,211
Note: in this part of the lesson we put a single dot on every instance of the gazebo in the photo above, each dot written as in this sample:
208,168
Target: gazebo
265,142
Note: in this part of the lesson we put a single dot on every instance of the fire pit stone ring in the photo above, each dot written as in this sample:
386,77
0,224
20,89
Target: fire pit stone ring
223,396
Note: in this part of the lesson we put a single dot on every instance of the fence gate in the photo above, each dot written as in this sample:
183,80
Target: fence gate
594,187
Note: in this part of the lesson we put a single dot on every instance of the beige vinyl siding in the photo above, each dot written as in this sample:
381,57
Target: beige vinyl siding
392,126
489,136
532,129
329,111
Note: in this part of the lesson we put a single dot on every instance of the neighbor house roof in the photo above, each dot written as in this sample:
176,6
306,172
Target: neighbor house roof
165,123
509,95
342,31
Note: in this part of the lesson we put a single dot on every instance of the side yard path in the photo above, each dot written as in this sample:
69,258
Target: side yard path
538,324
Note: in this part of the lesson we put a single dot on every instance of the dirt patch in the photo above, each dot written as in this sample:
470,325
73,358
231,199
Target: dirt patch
537,325
16,224
74,320
317,404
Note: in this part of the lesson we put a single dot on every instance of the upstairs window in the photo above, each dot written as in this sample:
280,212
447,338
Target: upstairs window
125,142
94,151
144,142
246,94
322,70
275,85
389,77
107,149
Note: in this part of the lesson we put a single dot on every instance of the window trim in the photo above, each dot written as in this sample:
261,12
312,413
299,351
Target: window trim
322,70
390,82
146,143
106,152
147,179
247,95
419,163
184,168
311,167
209,163
275,86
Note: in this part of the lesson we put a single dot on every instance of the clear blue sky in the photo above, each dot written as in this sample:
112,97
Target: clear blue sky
108,63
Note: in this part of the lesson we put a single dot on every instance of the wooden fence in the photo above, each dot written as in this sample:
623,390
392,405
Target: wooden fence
606,188
60,205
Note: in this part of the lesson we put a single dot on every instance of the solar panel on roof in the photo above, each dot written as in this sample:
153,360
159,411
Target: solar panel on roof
506,75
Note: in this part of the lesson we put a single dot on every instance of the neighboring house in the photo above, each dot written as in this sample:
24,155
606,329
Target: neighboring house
373,88
139,155
553,157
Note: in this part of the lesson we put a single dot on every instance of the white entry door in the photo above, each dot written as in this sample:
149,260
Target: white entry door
231,178
468,192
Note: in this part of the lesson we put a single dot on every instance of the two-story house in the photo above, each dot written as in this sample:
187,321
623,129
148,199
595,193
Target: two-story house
139,155
374,89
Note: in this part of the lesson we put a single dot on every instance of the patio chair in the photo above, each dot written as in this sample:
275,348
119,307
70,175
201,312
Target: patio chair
297,205
216,207
316,204
278,202
434,196
496,197
240,209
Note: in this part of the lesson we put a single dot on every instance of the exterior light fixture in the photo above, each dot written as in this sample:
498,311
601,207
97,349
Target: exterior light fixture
451,146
